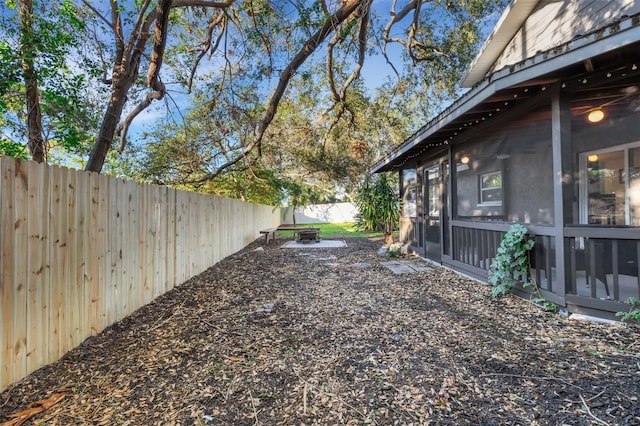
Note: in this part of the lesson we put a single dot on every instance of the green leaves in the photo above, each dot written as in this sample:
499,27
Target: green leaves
46,39
244,48
12,149
634,310
378,205
511,264
347,28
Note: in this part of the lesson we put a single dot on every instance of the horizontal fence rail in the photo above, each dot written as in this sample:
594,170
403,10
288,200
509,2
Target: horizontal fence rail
80,251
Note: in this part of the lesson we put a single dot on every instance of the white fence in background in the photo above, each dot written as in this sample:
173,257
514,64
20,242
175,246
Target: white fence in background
321,213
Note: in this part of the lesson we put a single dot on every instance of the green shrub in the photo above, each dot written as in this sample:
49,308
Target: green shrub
378,207
512,264
634,310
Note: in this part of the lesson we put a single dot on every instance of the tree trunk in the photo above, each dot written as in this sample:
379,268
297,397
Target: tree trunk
103,141
34,114
109,125
388,239
128,62
124,74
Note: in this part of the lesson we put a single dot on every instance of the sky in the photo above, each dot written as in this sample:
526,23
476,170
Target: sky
374,73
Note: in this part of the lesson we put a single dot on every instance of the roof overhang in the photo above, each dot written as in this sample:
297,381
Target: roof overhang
507,26
544,66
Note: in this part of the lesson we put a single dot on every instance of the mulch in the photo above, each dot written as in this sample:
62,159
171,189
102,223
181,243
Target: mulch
331,336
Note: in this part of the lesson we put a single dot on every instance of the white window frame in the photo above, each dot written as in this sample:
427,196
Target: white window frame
481,201
584,209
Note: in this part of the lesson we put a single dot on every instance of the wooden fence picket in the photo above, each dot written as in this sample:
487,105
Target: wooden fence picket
79,251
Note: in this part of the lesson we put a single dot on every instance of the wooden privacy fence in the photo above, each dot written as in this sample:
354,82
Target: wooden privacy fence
80,251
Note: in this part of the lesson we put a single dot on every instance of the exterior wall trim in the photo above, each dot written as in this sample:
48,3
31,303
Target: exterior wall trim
512,19
473,272
618,233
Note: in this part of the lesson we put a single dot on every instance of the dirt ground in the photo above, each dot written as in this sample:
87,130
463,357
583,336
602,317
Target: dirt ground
331,336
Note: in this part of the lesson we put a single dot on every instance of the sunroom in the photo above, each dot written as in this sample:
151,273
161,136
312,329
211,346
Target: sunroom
552,143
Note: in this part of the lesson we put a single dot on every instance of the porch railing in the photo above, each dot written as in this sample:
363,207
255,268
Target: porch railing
602,264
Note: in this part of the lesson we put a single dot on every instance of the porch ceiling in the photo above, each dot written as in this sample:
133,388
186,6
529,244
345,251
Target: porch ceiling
459,126
578,67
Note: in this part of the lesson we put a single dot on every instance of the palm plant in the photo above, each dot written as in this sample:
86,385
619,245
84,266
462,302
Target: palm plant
378,207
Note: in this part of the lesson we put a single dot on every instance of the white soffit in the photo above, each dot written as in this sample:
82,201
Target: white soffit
509,23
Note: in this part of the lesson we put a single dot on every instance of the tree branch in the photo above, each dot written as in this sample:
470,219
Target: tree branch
329,66
155,62
116,26
330,24
159,43
160,15
397,17
411,44
126,68
139,32
204,3
123,129
363,13
217,20
97,13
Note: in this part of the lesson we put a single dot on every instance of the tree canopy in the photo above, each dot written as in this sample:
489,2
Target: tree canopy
273,90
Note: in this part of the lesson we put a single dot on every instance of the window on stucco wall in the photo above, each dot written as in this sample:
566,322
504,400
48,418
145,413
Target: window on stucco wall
490,187
506,174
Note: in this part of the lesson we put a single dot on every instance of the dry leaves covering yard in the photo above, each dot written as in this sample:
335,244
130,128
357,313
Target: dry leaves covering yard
330,336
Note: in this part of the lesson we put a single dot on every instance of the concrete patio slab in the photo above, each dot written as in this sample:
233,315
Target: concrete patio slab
319,244
404,266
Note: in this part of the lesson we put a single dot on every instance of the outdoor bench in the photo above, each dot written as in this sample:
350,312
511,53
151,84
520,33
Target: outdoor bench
301,233
269,233
288,227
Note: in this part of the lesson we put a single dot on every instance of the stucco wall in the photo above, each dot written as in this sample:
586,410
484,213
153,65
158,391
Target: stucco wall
523,154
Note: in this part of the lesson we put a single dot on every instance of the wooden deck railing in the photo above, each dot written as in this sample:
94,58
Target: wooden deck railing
602,264
80,251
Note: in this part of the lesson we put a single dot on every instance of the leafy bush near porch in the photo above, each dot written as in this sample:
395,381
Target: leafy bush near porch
512,264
